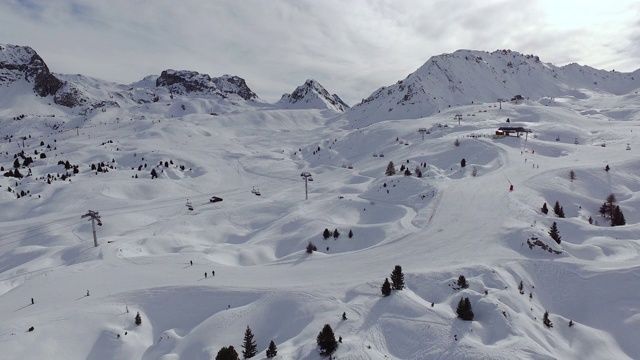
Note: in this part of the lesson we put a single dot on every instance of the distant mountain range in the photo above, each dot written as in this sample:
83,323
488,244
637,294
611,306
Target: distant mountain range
462,77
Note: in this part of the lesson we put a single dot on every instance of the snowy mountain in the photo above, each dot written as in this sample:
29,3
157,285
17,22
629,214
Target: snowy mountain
21,66
311,95
22,63
203,228
467,76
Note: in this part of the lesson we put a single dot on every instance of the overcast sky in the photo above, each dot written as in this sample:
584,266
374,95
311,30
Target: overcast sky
351,47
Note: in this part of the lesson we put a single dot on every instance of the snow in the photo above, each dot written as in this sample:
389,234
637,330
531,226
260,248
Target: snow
446,224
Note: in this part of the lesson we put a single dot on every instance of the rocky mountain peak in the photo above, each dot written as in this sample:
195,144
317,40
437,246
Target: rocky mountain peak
184,82
311,95
23,63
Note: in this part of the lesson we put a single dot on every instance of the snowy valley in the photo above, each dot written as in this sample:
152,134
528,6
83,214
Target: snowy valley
93,145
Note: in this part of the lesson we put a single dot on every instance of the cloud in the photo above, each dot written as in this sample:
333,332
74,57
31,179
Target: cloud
350,47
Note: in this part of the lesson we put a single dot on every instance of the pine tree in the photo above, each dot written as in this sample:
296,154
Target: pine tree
544,209
386,287
462,282
561,212
311,248
546,321
154,173
401,167
607,168
272,350
521,288
610,205
249,345
227,353
463,163
391,169
327,341
16,163
138,319
336,233
407,172
397,278
464,310
617,219
572,175
590,220
350,234
554,234
556,208
326,234
456,143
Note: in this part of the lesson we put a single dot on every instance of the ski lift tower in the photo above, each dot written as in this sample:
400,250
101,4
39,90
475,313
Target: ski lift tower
307,177
500,101
95,216
422,131
458,117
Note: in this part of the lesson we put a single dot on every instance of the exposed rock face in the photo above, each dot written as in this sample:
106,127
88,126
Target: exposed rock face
312,95
183,82
22,62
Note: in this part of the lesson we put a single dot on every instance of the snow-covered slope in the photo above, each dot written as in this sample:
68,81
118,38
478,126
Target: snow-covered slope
311,95
157,258
468,76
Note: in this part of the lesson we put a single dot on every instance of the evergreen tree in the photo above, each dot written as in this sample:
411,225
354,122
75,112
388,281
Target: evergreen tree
561,212
546,321
418,171
464,310
610,205
556,208
327,341
336,233
138,319
386,287
456,143
350,233
402,167
397,278
391,169
16,163
463,163
311,248
618,218
554,234
590,220
572,175
521,288
272,350
249,345
407,172
544,209
326,234
227,353
154,173
607,168
462,282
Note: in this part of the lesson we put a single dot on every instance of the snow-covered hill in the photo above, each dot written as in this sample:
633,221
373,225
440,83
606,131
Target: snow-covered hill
140,163
466,76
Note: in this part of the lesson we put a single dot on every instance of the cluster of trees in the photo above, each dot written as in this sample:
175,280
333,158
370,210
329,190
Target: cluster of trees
249,349
391,170
397,281
336,234
557,209
611,211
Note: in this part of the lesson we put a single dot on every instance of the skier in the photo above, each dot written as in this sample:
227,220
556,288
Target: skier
205,274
